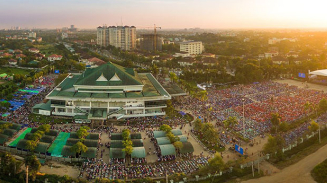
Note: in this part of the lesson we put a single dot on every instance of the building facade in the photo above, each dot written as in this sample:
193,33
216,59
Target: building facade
108,91
151,42
191,47
123,37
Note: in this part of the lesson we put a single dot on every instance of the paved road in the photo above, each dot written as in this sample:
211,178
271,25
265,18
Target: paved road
299,172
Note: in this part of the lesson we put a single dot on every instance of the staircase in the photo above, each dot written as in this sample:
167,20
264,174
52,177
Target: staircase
116,111
81,110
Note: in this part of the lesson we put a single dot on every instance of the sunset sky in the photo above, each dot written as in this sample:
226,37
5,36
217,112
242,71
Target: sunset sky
215,14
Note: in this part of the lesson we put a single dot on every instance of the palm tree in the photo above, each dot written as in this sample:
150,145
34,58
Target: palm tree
275,120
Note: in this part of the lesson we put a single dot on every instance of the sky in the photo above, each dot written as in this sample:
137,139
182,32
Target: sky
168,14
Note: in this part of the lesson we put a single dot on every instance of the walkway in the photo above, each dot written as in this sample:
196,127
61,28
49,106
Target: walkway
22,136
298,172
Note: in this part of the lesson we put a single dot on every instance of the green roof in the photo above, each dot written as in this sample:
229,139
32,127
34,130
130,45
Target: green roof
137,142
93,136
109,70
116,95
158,134
90,143
82,94
3,139
116,144
67,152
22,144
116,153
101,90
182,138
99,95
116,136
71,141
80,117
9,132
167,149
136,136
176,132
138,152
90,153
187,148
157,85
47,139
33,62
134,94
42,147
163,140
44,106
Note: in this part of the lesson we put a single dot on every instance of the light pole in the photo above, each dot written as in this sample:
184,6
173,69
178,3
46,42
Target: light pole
319,134
243,118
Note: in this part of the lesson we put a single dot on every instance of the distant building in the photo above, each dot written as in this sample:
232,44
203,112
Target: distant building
271,54
39,39
123,37
33,50
12,62
32,35
192,47
73,28
54,57
181,54
151,42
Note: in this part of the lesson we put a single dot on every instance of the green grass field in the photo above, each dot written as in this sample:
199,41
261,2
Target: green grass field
10,70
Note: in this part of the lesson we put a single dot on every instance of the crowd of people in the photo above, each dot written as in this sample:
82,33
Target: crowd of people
97,168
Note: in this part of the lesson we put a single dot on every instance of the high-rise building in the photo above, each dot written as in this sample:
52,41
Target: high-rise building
151,42
123,37
191,47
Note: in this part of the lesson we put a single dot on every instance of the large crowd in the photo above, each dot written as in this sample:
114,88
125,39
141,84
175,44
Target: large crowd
97,168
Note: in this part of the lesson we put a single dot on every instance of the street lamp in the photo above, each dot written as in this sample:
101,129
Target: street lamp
243,118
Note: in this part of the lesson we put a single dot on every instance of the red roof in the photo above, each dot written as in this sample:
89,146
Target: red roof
55,56
96,61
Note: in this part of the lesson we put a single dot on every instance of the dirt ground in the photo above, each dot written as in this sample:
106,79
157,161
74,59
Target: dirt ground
59,169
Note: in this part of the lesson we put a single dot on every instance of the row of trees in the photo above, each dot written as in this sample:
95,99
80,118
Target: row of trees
31,143
127,143
207,132
79,147
173,139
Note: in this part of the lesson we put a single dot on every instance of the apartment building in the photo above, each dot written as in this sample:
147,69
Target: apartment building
123,37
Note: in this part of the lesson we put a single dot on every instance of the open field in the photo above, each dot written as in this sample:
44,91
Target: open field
11,70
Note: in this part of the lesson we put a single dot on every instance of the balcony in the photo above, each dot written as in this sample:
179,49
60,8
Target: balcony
155,106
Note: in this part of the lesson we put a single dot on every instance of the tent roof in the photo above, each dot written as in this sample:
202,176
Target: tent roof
116,136
137,142
90,153
91,143
44,106
71,142
182,138
163,140
158,134
319,72
168,149
9,132
116,144
16,127
3,138
42,147
187,148
93,136
138,152
176,132
67,152
21,144
116,153
136,136
47,139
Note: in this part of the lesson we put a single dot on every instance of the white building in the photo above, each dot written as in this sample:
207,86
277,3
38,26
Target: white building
54,57
108,91
123,37
191,47
32,35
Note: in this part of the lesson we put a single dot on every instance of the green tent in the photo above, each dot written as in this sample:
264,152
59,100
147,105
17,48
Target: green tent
176,132
137,142
33,130
90,153
168,149
182,138
93,136
138,152
3,139
47,139
116,153
187,148
73,135
66,152
52,133
116,136
16,127
3,75
71,142
28,136
136,136
116,144
163,141
42,147
158,134
91,143
21,144
9,132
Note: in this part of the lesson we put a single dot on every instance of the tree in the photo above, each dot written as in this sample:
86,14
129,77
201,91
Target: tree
31,145
283,126
216,163
126,134
178,145
209,133
33,165
82,132
170,108
165,128
230,122
323,105
198,124
275,120
45,128
314,126
173,77
155,70
78,148
9,165
274,144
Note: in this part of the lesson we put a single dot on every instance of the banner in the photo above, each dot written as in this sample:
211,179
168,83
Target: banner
239,149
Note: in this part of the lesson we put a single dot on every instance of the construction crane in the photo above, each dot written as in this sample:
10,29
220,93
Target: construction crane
155,36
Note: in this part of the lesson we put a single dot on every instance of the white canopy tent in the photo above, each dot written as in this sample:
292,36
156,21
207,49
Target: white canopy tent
319,72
